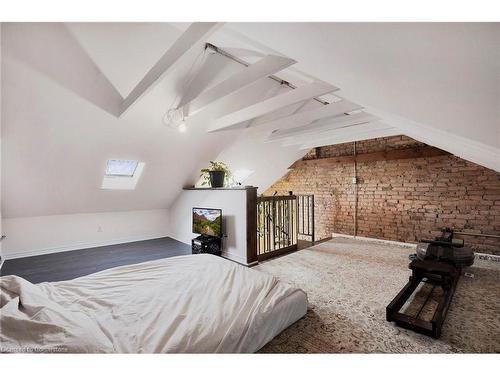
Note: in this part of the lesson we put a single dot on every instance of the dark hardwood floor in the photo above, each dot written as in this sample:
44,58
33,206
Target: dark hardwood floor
71,264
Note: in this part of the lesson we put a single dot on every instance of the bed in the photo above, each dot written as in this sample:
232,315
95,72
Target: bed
187,304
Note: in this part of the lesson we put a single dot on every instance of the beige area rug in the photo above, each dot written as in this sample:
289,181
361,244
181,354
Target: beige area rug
349,283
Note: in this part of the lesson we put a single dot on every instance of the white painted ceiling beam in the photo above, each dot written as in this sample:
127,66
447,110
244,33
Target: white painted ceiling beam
342,132
353,129
322,126
306,117
369,134
294,96
194,37
264,67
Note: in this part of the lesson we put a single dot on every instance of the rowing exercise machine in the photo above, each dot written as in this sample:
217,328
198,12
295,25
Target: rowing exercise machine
437,262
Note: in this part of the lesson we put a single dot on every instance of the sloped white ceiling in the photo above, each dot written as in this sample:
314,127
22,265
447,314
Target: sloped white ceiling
437,82
124,51
62,83
61,86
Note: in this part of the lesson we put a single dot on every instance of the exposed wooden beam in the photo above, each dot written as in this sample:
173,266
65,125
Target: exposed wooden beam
341,129
299,119
268,65
194,37
269,105
322,126
407,153
355,136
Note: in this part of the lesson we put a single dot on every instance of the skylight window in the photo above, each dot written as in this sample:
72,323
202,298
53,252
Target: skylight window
122,174
121,168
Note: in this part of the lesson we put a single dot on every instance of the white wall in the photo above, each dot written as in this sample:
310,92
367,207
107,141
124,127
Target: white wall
58,131
47,234
233,205
1,252
269,161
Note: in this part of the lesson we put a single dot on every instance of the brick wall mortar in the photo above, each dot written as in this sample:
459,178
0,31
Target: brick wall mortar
402,200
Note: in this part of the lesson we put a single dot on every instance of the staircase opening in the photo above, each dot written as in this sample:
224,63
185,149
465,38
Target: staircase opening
285,223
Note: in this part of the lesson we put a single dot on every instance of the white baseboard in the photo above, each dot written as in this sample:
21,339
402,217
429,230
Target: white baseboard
482,256
83,245
487,257
233,257
371,239
236,258
177,239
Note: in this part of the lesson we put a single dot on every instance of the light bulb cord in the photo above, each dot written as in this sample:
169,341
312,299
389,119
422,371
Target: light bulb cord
191,75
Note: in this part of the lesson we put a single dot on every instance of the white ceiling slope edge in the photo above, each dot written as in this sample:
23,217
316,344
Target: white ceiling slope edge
193,38
64,86
437,82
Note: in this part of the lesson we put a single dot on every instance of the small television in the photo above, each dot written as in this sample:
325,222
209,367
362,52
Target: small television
207,221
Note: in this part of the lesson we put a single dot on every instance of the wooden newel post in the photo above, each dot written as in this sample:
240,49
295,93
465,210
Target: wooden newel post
251,225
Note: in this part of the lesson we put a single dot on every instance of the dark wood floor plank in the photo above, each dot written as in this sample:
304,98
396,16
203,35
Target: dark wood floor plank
71,264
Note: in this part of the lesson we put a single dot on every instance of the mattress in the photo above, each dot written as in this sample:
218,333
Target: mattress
187,304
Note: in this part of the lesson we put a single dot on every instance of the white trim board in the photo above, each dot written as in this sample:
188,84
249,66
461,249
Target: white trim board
84,245
371,239
482,256
232,257
237,259
487,257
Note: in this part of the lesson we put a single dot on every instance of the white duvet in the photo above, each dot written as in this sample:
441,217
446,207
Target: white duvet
187,304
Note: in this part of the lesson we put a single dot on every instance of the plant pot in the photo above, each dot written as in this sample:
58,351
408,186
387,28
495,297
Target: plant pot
217,178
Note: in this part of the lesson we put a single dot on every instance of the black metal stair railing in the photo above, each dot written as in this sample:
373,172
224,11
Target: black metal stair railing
277,225
305,203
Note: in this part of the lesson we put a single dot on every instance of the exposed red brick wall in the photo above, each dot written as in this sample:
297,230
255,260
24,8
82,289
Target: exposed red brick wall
403,200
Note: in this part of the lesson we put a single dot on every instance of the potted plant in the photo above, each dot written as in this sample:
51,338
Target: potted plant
217,174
